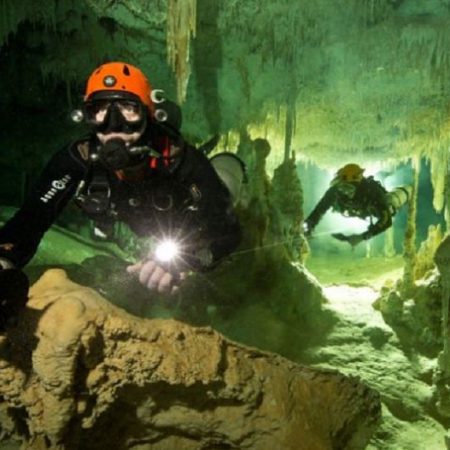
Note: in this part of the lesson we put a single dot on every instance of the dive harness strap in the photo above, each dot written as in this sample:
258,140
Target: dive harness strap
93,195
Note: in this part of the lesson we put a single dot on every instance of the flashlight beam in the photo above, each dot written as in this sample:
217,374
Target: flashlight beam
167,251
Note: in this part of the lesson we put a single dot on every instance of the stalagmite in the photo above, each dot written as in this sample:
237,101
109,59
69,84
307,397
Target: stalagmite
368,249
181,24
447,193
389,248
409,252
426,252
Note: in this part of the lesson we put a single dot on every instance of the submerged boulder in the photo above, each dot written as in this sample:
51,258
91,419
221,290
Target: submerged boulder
78,372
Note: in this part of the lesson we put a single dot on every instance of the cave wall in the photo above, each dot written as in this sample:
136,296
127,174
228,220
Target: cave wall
362,81
362,78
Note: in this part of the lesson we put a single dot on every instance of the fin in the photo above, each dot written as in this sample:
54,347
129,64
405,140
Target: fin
340,236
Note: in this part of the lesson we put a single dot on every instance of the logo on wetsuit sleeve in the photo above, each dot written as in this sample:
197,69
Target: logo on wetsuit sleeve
57,185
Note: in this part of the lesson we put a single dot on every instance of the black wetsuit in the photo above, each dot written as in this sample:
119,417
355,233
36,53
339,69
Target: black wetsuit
187,196
370,200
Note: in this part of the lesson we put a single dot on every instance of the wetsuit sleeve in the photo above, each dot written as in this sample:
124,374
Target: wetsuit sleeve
21,235
384,215
325,203
218,225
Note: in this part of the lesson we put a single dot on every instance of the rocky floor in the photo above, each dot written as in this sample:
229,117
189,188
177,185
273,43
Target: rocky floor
362,344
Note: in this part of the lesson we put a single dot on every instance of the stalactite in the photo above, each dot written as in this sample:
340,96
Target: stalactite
289,129
374,10
278,112
442,56
439,167
181,25
409,251
9,18
4,14
426,46
46,17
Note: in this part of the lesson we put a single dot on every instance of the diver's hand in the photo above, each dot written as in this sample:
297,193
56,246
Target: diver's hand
156,277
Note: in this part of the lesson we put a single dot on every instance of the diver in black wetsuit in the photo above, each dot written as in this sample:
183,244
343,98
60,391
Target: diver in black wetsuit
354,195
134,169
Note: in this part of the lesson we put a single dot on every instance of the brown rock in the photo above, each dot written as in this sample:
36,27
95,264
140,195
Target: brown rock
86,375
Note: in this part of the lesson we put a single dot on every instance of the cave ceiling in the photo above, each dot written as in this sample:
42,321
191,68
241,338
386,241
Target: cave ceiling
360,79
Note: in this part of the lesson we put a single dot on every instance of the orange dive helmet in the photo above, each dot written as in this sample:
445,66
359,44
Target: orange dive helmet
350,173
120,78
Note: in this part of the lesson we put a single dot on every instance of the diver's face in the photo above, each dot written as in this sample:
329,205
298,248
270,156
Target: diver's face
117,118
118,123
347,190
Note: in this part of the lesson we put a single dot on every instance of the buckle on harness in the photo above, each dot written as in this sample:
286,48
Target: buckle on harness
96,201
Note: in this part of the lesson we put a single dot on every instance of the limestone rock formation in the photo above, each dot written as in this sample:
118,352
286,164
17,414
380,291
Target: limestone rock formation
415,318
442,374
413,305
80,373
425,255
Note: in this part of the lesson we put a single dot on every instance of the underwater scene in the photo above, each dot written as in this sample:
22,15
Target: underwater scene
224,225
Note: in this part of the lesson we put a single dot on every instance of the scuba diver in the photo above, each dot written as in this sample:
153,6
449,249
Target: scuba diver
354,195
135,168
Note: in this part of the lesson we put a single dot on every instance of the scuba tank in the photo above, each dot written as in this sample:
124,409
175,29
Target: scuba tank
398,197
231,171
